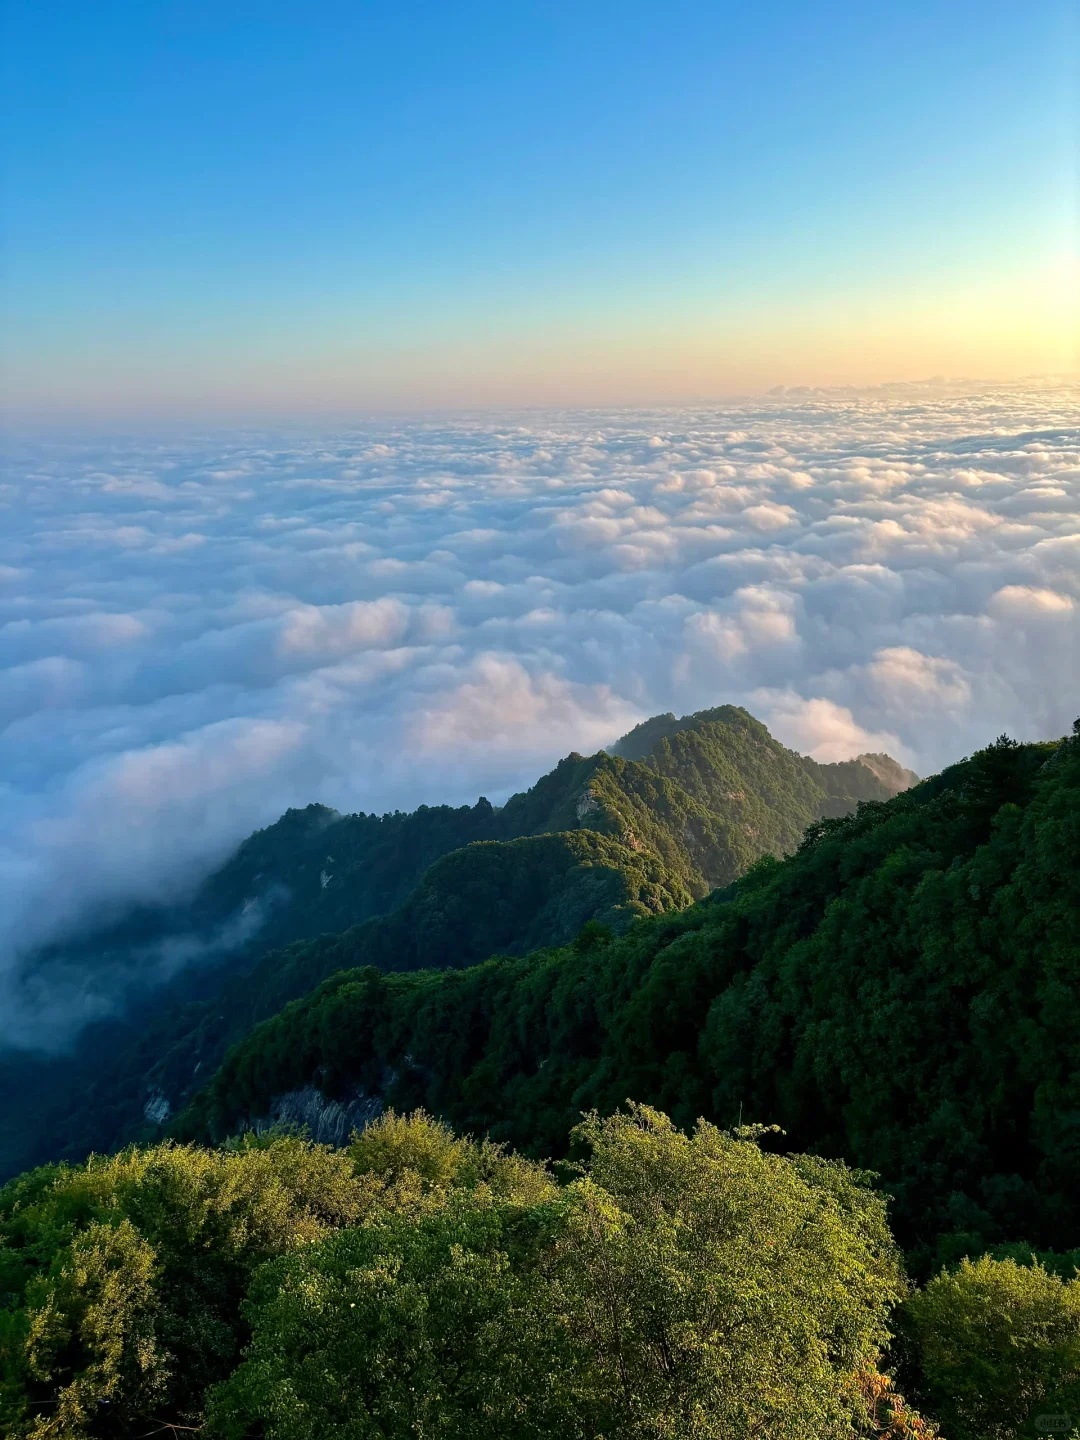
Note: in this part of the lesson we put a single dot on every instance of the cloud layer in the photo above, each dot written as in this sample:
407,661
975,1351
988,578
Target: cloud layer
197,632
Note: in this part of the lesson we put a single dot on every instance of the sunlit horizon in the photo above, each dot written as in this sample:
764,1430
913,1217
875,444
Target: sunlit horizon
247,215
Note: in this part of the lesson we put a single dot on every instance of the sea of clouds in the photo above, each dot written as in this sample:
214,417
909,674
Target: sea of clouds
198,631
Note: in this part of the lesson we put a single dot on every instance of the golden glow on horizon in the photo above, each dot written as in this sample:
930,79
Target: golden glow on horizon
983,332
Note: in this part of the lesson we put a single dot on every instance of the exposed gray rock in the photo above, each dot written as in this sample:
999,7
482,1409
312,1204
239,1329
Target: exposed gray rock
587,803
157,1108
329,1122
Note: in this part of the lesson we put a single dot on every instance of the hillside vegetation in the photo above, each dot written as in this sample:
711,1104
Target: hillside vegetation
900,995
716,794
418,1284
602,838
422,1284
902,992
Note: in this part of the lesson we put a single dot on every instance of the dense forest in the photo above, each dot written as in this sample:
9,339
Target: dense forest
659,1285
794,1158
679,807
900,993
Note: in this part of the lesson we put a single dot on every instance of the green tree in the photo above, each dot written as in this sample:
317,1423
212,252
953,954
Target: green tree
720,1290
121,1281
689,1286
416,1158
998,1345
123,1278
92,1327
408,1327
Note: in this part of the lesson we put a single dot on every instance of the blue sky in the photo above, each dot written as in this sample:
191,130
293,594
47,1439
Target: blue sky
380,204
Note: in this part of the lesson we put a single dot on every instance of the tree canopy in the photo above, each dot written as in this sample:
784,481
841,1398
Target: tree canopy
901,993
603,837
419,1283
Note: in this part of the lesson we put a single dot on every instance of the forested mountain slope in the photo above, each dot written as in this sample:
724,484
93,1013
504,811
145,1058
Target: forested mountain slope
600,837
492,896
904,992
708,800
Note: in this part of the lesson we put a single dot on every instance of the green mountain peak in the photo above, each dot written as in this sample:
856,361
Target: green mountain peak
677,809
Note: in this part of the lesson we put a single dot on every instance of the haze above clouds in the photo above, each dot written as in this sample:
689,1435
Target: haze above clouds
199,632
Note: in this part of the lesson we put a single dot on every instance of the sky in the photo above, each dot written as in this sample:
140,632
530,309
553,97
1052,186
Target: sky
267,209
201,628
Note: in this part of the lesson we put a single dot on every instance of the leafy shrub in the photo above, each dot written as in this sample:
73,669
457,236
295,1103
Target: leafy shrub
123,1278
691,1287
998,1345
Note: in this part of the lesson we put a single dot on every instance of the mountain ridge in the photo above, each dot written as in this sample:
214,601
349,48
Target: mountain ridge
901,992
702,806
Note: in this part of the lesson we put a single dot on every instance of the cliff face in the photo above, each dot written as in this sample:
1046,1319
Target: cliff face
326,1122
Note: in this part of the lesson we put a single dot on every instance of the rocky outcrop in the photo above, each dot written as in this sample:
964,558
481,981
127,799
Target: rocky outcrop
157,1108
328,1122
587,804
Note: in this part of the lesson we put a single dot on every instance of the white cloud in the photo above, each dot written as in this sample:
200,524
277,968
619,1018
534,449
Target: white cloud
823,729
197,633
905,677
322,631
499,709
770,516
1030,601
138,825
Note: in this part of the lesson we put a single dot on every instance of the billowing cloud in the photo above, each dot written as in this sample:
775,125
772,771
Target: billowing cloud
197,632
500,709
824,729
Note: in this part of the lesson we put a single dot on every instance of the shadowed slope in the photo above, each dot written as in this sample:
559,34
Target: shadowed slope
905,991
